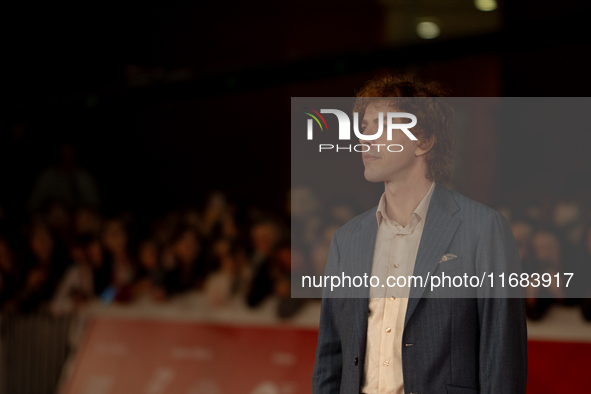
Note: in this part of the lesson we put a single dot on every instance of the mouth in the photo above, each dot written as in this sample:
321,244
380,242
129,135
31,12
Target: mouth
368,157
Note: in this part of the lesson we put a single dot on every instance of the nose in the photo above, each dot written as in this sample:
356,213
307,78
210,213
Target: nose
362,140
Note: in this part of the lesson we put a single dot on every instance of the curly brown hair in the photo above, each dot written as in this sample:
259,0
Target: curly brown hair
435,117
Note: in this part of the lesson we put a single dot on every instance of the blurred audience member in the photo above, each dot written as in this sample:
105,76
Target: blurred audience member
44,268
305,217
192,218
213,215
568,219
341,211
264,237
522,232
321,247
123,271
185,263
8,274
281,266
164,228
77,286
150,282
87,220
65,183
101,270
59,220
231,276
547,259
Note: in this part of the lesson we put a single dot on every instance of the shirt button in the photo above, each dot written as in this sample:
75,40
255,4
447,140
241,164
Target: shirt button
396,265
386,363
388,329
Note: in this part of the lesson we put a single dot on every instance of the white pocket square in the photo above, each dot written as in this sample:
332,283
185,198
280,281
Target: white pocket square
447,257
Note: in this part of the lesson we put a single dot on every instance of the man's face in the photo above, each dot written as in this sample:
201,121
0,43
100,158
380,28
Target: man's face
385,165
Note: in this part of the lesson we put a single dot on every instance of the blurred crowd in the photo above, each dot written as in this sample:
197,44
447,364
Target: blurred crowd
63,258
554,240
67,253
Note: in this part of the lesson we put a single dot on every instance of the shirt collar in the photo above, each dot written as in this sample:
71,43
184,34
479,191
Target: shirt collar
420,211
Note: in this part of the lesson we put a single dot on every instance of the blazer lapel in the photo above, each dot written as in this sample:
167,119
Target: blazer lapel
438,232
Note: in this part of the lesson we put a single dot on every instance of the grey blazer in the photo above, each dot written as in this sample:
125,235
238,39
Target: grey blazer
449,345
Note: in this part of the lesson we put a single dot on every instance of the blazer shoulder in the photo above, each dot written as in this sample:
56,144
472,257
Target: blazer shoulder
472,210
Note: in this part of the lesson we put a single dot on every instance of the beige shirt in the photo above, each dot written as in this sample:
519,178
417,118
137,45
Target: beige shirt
394,255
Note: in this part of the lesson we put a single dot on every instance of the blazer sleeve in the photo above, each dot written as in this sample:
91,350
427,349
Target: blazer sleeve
327,373
503,329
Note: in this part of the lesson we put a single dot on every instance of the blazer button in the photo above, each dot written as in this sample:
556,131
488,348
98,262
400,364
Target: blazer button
356,360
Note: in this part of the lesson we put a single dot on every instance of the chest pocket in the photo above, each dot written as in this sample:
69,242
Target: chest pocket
450,265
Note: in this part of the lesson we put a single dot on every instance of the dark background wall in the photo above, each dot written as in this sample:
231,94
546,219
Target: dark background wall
167,103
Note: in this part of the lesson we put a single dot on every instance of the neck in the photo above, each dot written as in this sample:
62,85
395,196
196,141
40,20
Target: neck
404,196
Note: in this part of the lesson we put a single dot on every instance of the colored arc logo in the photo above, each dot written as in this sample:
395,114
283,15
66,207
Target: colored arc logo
316,119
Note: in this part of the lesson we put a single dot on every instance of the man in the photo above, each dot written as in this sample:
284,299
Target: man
423,343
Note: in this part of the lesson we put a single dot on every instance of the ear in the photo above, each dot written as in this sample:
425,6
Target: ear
423,146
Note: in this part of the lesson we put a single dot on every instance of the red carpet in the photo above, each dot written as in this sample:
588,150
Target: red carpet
559,367
121,356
